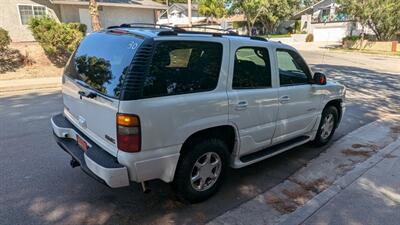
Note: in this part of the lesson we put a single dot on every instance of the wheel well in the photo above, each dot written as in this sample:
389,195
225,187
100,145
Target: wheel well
337,104
225,133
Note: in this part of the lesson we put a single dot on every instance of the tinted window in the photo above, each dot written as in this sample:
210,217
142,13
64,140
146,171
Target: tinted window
180,67
102,59
292,68
252,68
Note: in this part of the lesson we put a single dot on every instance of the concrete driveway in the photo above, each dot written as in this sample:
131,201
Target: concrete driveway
37,185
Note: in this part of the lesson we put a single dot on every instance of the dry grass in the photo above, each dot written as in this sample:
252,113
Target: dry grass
370,146
172,204
280,205
360,153
343,168
298,195
25,61
395,129
316,186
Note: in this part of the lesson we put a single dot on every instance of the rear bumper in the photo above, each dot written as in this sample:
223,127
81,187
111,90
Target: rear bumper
95,162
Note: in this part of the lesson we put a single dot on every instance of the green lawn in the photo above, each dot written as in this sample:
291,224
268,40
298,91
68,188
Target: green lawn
276,36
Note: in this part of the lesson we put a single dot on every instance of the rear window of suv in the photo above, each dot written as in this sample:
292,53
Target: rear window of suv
180,67
101,59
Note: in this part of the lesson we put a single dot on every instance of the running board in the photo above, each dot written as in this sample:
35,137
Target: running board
274,150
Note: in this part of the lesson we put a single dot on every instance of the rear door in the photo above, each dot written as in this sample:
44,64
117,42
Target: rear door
252,96
92,81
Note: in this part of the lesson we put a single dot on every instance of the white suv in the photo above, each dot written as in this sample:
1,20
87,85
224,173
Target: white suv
144,103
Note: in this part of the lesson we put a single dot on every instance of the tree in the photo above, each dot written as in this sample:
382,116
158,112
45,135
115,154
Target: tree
170,1
212,9
275,11
381,16
94,14
308,3
251,9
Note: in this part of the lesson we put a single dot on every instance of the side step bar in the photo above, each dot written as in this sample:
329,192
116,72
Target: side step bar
273,150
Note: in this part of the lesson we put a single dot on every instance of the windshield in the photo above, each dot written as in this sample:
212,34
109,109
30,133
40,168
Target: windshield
101,61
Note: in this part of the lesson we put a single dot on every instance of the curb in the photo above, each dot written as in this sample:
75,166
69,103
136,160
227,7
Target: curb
29,87
312,206
29,84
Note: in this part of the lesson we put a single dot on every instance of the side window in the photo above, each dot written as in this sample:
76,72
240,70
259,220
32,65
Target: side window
252,68
292,68
180,67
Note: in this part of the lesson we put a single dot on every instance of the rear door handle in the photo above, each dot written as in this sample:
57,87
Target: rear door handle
284,99
241,105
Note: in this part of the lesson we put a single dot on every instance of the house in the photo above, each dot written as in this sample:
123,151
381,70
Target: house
326,21
15,14
177,15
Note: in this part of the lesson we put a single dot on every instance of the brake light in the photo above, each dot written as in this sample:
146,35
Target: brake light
128,133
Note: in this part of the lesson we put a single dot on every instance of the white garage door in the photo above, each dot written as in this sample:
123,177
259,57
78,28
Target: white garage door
329,34
112,16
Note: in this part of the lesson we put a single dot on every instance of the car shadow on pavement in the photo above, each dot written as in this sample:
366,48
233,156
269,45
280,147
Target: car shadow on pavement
41,188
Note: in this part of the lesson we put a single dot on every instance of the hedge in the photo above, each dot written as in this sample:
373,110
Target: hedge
57,39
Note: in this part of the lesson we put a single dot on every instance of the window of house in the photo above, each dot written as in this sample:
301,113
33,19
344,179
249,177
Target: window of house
292,68
181,67
325,14
252,68
27,11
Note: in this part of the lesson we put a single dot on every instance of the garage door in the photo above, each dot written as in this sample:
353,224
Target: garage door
112,16
329,34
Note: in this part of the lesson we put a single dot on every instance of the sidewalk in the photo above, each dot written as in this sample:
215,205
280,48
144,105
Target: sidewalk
29,84
373,198
323,192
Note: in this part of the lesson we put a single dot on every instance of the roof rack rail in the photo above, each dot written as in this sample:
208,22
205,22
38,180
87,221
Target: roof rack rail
144,25
229,33
258,38
205,27
173,30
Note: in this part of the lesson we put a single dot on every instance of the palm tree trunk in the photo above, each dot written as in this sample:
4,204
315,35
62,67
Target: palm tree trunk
190,12
94,13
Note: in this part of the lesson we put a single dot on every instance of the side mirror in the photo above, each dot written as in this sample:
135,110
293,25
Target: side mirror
319,78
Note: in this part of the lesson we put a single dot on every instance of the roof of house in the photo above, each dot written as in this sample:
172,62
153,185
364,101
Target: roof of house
184,6
147,4
309,10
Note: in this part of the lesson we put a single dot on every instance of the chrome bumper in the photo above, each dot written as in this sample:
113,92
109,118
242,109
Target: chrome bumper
96,162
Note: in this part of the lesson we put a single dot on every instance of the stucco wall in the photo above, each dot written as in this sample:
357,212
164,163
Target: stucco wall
10,19
70,13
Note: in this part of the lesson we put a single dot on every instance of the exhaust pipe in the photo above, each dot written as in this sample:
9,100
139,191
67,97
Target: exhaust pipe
145,187
74,163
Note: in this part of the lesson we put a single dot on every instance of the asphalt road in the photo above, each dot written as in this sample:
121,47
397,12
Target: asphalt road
37,185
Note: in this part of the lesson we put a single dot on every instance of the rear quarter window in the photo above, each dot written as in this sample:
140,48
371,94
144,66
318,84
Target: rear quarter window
180,67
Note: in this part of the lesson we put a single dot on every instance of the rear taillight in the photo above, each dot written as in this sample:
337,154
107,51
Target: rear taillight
128,133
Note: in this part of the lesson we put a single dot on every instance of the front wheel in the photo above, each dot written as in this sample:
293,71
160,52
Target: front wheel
200,170
327,126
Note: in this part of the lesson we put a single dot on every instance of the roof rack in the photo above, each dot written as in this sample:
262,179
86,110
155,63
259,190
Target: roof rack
144,25
205,27
172,30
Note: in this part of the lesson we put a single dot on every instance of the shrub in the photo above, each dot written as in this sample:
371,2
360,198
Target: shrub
58,40
351,38
4,39
310,38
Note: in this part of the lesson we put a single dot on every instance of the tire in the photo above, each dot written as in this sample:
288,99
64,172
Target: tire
191,164
322,137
